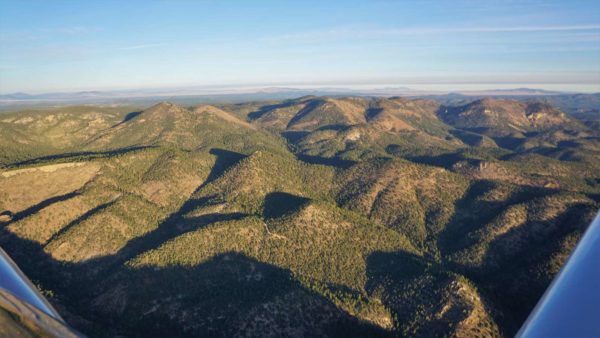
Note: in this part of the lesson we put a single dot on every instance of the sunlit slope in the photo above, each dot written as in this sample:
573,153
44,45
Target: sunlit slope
202,128
92,209
415,200
535,127
34,133
501,116
355,128
248,184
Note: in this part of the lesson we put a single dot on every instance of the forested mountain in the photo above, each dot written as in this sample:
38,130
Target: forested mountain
315,216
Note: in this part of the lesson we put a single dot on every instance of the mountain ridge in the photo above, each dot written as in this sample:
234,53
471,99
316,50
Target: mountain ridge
362,216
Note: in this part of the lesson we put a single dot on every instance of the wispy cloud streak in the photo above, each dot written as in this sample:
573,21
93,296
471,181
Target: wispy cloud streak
390,32
150,45
519,29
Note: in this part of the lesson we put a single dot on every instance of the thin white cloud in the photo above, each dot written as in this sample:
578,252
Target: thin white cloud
150,45
523,29
385,32
76,30
46,33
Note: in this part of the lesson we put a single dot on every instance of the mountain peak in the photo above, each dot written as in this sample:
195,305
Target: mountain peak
496,102
505,116
165,108
221,114
162,105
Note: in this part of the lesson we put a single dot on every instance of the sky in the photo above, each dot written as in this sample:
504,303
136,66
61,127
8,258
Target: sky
54,46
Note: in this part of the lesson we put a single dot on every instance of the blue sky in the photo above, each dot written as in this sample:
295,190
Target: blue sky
98,45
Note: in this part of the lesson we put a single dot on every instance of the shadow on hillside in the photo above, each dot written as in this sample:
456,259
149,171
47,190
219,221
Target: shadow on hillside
578,154
278,204
231,295
372,112
308,108
175,225
165,231
80,219
329,161
14,217
128,117
265,109
178,223
472,213
467,137
225,159
82,155
516,293
502,249
390,268
412,288
509,142
445,160
505,274
294,136
334,127
228,295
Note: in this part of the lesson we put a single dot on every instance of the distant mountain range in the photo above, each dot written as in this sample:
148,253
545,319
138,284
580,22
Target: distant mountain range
584,106
265,93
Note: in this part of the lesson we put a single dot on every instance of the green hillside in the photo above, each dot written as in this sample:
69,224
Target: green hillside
316,216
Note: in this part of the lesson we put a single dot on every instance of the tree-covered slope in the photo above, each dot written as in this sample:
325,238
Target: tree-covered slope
316,216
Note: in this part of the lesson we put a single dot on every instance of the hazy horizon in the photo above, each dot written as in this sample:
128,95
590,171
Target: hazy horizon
63,46
418,89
